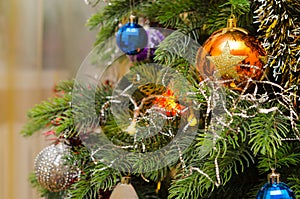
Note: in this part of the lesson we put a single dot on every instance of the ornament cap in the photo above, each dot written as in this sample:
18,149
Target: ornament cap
231,22
232,25
273,177
132,18
126,180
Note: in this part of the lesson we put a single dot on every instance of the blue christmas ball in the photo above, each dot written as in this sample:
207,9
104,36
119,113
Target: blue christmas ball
275,191
154,39
132,38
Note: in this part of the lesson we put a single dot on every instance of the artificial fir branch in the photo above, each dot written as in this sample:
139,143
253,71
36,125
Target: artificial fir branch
187,16
266,140
42,114
286,156
108,18
294,184
232,140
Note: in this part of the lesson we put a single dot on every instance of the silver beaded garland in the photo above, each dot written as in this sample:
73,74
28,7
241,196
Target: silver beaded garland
51,168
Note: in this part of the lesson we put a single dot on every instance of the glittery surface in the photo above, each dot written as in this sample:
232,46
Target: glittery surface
51,169
226,62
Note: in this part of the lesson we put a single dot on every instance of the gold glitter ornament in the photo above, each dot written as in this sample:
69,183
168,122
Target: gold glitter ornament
51,168
231,54
225,63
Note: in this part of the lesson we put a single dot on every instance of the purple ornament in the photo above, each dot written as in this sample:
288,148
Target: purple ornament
154,39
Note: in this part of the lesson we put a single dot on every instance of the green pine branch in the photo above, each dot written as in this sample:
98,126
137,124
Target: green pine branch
266,136
41,115
219,157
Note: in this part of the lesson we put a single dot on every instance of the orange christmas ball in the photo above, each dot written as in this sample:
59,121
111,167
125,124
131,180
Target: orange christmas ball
232,55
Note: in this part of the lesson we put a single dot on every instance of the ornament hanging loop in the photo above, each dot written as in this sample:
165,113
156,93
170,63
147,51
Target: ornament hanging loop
232,25
132,18
126,180
231,21
273,177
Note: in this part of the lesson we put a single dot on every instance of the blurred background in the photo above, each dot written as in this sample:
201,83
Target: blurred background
41,43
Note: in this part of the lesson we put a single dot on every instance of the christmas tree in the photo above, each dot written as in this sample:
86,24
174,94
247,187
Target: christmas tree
207,107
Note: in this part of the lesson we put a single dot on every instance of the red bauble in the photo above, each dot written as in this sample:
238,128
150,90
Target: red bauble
231,54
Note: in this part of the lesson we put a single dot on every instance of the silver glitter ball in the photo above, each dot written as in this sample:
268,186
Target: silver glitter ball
51,168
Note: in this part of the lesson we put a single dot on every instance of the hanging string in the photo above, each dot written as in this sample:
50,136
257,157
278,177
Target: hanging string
131,17
131,2
275,162
131,7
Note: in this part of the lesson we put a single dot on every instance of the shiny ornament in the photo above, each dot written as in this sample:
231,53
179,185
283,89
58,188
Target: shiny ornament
275,189
132,38
154,39
225,62
231,54
124,190
168,103
51,169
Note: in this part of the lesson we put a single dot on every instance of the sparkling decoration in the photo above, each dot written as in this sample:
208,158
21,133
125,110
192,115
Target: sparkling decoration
275,189
231,55
280,34
226,62
51,169
132,38
124,190
154,39
168,103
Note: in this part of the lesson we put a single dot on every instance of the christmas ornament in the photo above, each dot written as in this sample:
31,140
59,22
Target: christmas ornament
154,39
146,91
124,190
231,54
275,189
52,171
167,102
225,62
132,38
